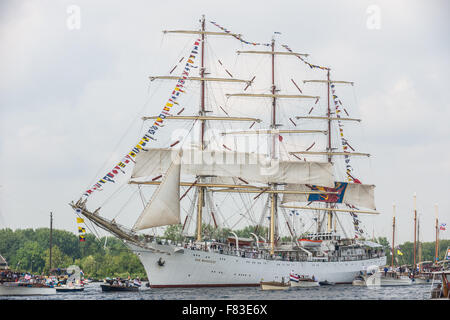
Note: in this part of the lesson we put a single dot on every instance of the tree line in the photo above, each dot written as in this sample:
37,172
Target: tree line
28,250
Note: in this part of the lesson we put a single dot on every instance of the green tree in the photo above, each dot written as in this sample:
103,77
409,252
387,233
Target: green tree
30,257
174,232
248,230
59,259
384,242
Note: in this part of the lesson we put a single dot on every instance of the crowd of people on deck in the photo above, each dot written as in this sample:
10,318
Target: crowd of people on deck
26,278
124,282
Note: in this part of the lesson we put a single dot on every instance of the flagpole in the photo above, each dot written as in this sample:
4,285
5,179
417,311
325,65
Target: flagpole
437,235
393,235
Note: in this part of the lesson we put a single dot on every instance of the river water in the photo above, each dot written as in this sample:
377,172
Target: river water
93,291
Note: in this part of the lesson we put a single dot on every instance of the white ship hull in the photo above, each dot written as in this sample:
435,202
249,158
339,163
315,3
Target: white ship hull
12,289
194,268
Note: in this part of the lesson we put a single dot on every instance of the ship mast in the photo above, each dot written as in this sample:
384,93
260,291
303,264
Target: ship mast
415,232
201,190
419,245
273,211
329,151
330,213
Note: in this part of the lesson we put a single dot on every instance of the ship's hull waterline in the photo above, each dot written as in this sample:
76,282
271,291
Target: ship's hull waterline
177,267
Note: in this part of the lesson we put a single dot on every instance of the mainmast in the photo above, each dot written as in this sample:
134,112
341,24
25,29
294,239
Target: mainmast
273,211
201,190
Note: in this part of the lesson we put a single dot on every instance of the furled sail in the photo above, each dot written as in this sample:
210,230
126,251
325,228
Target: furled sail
164,207
356,194
251,167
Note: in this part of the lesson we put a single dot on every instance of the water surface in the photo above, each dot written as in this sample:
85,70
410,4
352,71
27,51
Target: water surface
93,291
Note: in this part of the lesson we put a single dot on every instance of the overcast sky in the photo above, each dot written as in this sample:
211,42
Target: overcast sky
69,89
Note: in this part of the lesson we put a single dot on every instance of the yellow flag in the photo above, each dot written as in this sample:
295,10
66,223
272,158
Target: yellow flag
80,220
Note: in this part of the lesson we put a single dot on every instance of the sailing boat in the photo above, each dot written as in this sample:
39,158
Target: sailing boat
215,172
374,277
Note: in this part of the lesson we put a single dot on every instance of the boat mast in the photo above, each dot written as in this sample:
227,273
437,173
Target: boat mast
201,190
273,211
330,213
415,231
393,235
419,244
51,240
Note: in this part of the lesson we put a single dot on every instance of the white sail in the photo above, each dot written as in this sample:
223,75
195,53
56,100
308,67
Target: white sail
164,207
251,167
356,194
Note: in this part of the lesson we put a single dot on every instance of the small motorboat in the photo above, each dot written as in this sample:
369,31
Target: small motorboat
70,288
424,278
119,285
73,283
274,285
301,281
25,289
440,285
326,283
376,278
310,242
106,287
359,280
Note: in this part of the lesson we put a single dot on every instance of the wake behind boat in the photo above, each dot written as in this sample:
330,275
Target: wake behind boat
283,173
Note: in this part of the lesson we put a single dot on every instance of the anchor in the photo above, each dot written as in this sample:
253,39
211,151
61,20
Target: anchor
161,262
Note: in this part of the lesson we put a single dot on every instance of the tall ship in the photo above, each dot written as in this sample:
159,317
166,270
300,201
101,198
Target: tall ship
249,171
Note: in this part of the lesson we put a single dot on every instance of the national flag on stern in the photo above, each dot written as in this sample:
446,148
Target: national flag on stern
294,277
